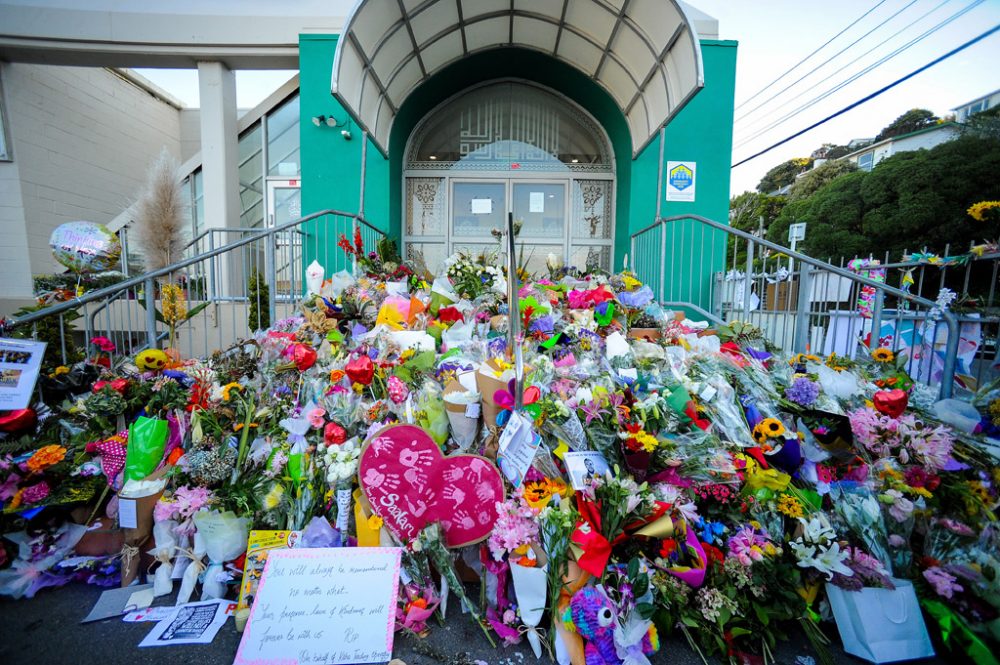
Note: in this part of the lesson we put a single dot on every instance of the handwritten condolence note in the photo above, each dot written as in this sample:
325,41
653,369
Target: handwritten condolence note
328,606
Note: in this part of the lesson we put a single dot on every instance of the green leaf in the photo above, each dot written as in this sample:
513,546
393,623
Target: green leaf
762,614
194,311
737,632
633,571
688,621
640,586
645,610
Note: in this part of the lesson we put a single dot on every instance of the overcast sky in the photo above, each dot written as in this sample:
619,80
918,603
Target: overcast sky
773,36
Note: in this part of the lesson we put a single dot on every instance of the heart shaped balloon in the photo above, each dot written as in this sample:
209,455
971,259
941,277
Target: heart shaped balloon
360,370
410,484
891,403
17,420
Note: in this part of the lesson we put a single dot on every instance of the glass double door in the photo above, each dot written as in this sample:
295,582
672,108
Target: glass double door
480,206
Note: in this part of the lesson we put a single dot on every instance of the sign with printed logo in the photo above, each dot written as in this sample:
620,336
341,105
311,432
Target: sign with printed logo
681,181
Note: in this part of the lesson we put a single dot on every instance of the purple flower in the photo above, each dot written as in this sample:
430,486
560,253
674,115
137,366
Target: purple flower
802,391
36,492
945,584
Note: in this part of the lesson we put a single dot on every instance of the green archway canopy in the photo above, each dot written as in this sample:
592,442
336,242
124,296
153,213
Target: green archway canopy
644,53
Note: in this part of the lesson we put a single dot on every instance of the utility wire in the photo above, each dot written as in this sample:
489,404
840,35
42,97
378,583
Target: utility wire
869,51
825,62
873,95
858,75
803,60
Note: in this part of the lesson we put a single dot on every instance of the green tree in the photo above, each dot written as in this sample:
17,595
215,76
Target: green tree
909,201
783,174
833,216
985,124
910,121
819,176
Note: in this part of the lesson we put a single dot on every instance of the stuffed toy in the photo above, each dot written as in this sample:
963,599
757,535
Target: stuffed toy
593,616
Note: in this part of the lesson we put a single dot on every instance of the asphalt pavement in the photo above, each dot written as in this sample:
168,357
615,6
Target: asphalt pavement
47,630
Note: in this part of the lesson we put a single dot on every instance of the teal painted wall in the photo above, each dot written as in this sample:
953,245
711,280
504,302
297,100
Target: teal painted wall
331,166
702,132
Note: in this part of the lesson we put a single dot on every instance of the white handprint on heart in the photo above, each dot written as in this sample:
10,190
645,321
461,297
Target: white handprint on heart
416,478
454,494
464,520
376,479
485,492
408,457
454,474
419,507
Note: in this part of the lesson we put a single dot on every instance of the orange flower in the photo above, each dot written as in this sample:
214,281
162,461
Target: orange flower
336,375
46,457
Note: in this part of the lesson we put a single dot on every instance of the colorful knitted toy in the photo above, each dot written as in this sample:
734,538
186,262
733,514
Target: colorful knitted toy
593,616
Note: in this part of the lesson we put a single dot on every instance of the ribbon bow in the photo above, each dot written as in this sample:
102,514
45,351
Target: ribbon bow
196,561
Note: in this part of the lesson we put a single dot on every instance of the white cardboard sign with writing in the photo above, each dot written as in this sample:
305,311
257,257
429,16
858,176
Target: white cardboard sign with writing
324,605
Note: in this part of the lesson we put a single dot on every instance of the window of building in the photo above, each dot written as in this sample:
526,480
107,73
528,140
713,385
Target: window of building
251,169
509,147
865,161
283,139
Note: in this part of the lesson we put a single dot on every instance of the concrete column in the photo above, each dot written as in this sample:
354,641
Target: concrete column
220,165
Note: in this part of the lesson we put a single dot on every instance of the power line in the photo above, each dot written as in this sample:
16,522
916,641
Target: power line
877,46
803,60
872,95
869,68
825,62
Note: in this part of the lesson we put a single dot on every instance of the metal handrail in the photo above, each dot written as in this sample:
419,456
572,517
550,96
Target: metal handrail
114,289
949,319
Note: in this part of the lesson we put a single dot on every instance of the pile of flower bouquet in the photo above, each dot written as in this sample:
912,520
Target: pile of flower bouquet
685,480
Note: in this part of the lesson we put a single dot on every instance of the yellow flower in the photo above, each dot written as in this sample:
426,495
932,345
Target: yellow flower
172,302
59,371
374,522
648,441
46,457
768,428
883,355
772,479
227,390
790,506
273,498
979,211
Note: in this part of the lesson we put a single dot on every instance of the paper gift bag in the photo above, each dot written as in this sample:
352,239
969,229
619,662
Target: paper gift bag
463,409
491,379
135,515
881,625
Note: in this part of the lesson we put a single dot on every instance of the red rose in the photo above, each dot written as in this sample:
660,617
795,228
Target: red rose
334,434
361,370
118,385
450,315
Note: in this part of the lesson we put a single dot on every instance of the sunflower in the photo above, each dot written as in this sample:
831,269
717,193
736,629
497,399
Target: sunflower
227,390
759,435
772,427
883,355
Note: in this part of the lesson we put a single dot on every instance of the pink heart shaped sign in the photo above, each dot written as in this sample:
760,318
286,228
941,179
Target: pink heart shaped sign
410,484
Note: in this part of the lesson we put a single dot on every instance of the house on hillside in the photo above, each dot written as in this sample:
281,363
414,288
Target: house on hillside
964,111
869,156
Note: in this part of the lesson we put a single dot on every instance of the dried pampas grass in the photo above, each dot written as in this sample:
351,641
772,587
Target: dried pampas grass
161,216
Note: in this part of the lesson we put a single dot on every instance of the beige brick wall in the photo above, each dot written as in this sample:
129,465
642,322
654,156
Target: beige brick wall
82,139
